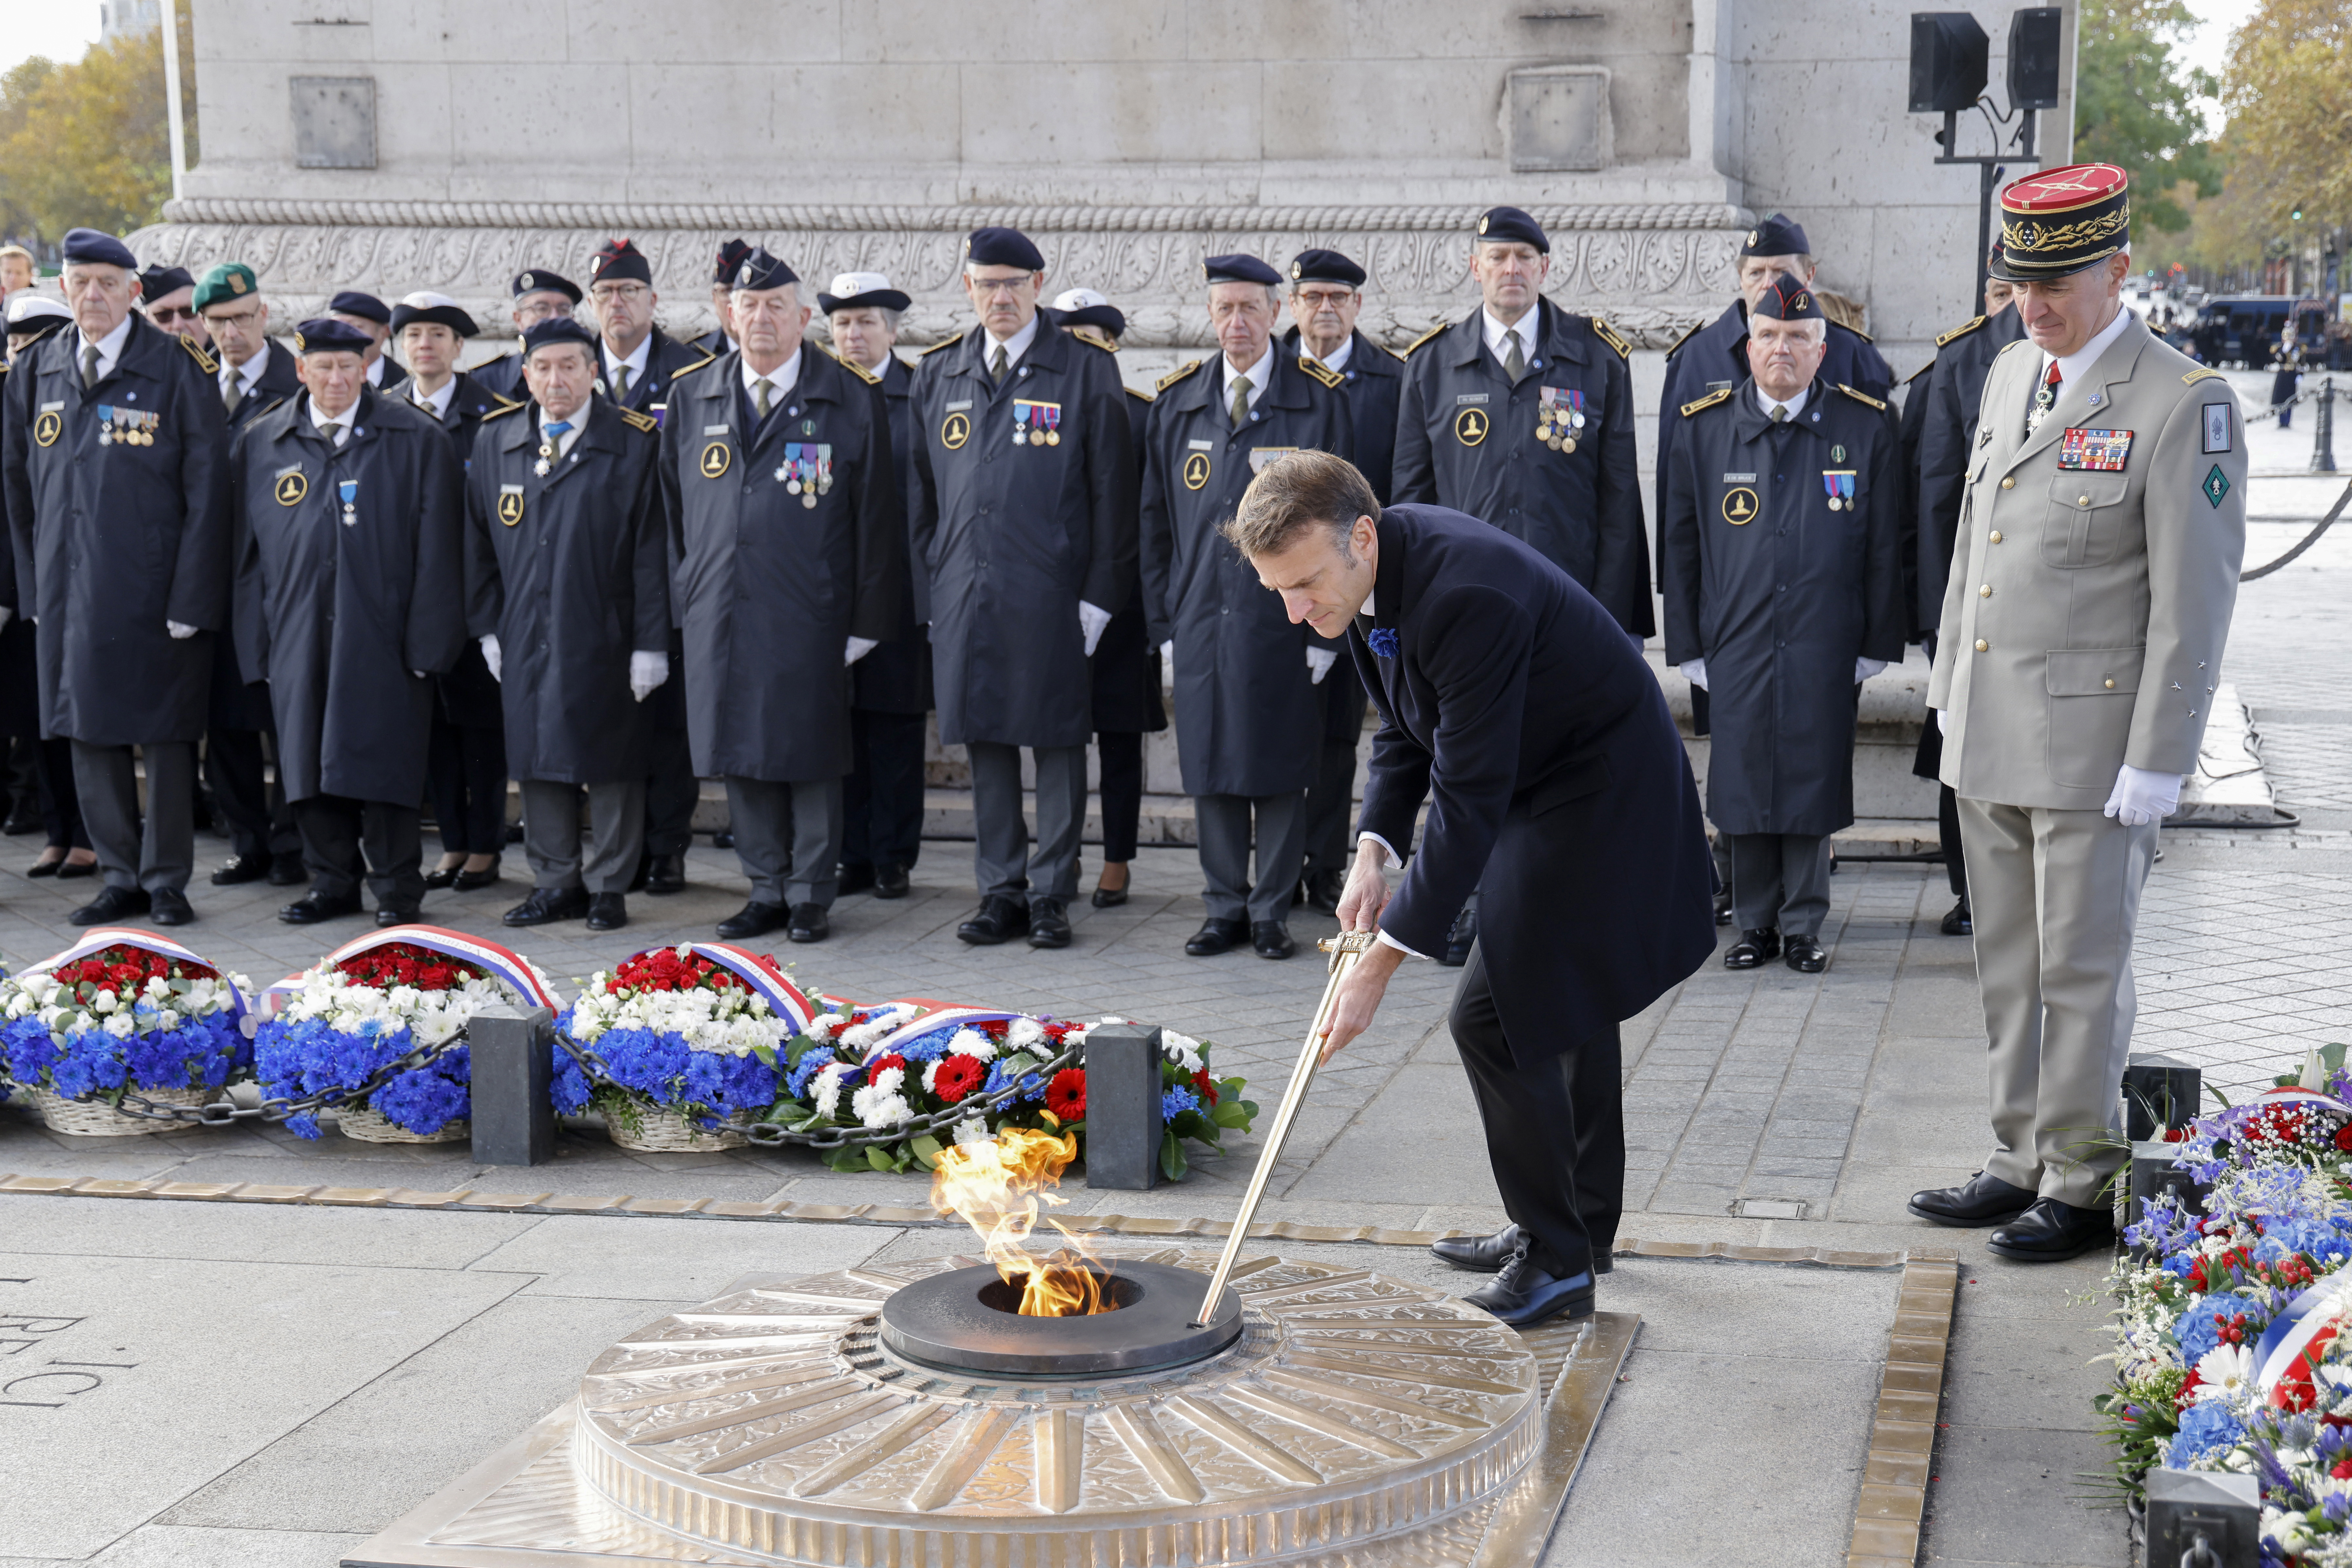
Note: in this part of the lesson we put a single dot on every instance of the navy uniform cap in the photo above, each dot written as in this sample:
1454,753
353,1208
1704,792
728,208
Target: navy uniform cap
731,258
1239,268
557,330
1779,234
619,261
157,281
1325,267
760,270
539,280
1004,247
1087,308
93,245
1791,300
855,290
351,302
436,309
1505,224
325,335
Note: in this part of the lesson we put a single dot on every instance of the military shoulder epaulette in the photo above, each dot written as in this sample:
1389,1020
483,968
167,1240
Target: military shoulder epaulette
1856,331
502,411
1392,353
2015,344
2202,372
211,366
1962,330
1095,337
272,406
689,369
1688,333
1138,391
1720,394
1922,371
636,421
1425,337
499,403
1177,374
1322,371
1608,334
860,372
1860,396
942,343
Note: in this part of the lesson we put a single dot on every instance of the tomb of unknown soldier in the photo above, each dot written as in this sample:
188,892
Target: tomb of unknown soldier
1659,828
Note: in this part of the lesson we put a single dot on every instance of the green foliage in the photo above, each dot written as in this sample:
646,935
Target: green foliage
2137,1419
2135,106
87,144
2289,95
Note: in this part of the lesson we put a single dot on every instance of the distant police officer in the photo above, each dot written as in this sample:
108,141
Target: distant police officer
363,312
351,584
721,338
1024,535
539,295
786,543
567,597
1248,721
117,474
167,297
1782,530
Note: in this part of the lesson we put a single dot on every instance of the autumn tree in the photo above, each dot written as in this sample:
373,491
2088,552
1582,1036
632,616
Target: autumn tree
87,144
2137,106
2289,95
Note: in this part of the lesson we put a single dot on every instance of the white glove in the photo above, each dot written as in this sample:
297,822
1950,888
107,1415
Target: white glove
1694,672
2142,796
647,671
1091,622
1943,721
1168,654
859,648
179,633
490,656
1865,668
418,673
5,616
1319,660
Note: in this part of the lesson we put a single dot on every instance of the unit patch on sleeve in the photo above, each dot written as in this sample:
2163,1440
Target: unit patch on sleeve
2103,450
2217,427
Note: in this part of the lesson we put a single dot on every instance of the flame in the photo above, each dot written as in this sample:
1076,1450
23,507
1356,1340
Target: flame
996,1187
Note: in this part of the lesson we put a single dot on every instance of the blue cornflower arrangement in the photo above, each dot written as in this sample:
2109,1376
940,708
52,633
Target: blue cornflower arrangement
671,1031
122,1019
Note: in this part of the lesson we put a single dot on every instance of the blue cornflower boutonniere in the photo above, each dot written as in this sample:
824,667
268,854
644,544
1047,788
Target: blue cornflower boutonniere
1384,639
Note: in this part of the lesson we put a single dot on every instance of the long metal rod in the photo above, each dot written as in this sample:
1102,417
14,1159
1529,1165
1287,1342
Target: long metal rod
1345,949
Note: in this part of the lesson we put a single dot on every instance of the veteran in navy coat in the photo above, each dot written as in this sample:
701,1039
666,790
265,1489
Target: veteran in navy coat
1514,704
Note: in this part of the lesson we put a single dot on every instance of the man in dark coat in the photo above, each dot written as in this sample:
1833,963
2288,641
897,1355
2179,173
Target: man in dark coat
365,314
890,688
1782,523
567,597
1248,724
167,297
721,338
116,469
539,295
786,547
1024,538
349,582
1516,699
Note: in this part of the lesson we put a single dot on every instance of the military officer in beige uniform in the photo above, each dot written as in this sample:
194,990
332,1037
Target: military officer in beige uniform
2102,524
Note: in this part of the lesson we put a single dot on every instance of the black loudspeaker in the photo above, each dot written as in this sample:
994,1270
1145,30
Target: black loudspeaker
2032,58
1949,51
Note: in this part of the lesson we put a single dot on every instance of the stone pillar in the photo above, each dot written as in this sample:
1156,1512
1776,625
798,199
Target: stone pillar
1123,1126
514,1118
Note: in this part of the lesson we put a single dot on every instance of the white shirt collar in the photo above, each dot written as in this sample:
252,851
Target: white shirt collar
1258,375
783,379
376,371
248,373
2076,365
326,426
1339,356
636,361
1525,328
110,348
1014,347
435,404
1795,405
578,421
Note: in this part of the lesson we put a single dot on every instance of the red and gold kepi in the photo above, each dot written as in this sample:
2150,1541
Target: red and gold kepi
2062,220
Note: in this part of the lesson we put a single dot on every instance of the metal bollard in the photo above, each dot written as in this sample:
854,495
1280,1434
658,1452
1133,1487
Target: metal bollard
2160,1092
514,1119
1123,1125
2323,438
2204,1518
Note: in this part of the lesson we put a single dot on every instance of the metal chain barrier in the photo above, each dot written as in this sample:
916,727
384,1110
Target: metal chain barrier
2308,540
222,1114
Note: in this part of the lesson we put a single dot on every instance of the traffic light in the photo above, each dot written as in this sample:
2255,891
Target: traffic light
1949,51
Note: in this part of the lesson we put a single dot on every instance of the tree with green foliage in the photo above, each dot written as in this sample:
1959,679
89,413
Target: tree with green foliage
2136,106
87,144
2290,102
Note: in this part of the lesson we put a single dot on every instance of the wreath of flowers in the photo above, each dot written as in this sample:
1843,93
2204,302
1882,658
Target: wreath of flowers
121,1018
671,1029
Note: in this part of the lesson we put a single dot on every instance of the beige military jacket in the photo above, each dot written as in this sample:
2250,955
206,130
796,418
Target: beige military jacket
2092,584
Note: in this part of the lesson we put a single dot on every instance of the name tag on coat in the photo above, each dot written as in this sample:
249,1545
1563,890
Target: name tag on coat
2102,451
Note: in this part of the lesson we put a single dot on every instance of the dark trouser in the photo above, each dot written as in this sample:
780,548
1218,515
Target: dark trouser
336,830
60,802
1330,811
1947,829
465,777
260,823
1119,754
160,851
788,837
1222,826
1781,881
671,791
1535,1115
1002,862
882,799
24,772
550,834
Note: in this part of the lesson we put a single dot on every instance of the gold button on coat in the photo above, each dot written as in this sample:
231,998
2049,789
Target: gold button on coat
2081,500
2009,484
1985,592
1996,536
1984,647
2111,683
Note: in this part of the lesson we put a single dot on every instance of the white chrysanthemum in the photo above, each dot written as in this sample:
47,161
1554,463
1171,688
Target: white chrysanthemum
973,1130
879,1103
972,1043
1021,1032
1180,1049
157,985
121,1026
826,1090
103,1003
2225,1374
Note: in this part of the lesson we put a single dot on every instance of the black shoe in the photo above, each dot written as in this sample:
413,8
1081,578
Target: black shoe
1525,1293
69,870
608,912
1804,954
998,918
238,870
549,903
315,906
1960,921
390,916
809,923
665,875
438,877
1980,1200
112,904
754,919
1111,897
1216,936
514,832
1752,949
1462,938
1324,888
2051,1232
722,839
1049,922
1479,1254
474,881
22,820
168,906
849,879
1271,939
288,871
890,881
1723,909
44,868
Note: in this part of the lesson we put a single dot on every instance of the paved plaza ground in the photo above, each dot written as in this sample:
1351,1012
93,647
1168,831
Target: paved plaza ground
281,1382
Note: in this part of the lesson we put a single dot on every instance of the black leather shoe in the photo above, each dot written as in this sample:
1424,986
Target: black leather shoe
1960,921
1980,1200
22,820
1525,1293
1479,1254
1111,897
44,868
1271,939
549,903
315,906
70,869
112,904
607,911
168,906
809,924
666,875
398,916
754,919
998,919
2051,1232
1752,949
1804,954
1216,936
1460,940
288,871
849,879
891,882
1324,888
1049,922
722,839
474,881
238,870
1723,909
438,877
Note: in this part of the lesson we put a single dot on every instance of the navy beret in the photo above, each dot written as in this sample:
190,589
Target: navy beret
759,271
1508,224
1239,268
618,261
157,281
558,329
90,245
1789,301
1002,247
325,335
438,308
351,302
1779,234
1326,267
539,280
730,257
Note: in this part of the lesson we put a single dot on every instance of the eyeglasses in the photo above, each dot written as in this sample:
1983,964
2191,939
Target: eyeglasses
229,318
629,291
992,287
1317,299
171,313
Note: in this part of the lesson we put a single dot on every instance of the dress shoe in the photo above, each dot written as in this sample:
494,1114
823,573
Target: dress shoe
608,912
112,904
1723,909
474,881
890,881
1479,1254
240,869
44,868
315,906
754,919
1804,954
1462,938
1524,1292
1752,949
665,875
1049,922
2051,1232
1959,922
998,918
1271,939
70,869
809,923
1110,897
288,871
1981,1200
722,839
438,877
1216,936
168,906
1324,888
22,820
387,916
549,903
849,879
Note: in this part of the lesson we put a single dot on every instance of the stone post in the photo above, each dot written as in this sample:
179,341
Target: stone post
2323,438
514,1120
2190,1509
1123,1128
2160,1093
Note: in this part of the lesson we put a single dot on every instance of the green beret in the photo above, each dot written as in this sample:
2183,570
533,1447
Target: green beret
226,280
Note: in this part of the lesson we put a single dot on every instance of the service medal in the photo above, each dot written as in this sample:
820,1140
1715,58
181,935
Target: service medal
824,470
1838,484
1053,412
350,489
546,455
1020,421
791,469
105,423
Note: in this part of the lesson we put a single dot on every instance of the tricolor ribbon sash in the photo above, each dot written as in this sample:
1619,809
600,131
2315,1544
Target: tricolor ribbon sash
2291,1348
786,1000
503,962
934,1017
98,938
